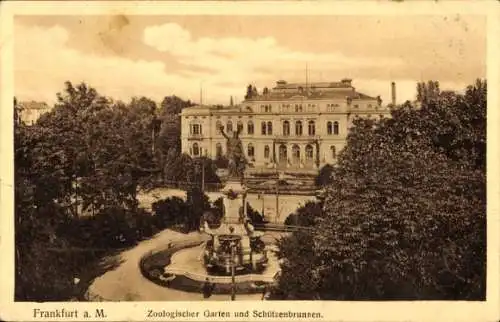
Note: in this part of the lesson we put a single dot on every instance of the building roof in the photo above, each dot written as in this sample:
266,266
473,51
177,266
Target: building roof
206,109
317,95
342,89
345,83
32,105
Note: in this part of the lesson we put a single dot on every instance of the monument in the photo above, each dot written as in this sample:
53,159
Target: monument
234,244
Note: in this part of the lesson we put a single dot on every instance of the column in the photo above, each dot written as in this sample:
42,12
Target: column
274,151
317,154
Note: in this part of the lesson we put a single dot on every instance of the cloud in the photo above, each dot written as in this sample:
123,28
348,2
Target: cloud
43,62
223,66
243,60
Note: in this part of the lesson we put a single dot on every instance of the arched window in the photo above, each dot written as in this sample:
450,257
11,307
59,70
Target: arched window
263,128
336,128
333,151
250,127
269,128
298,128
266,152
250,150
196,149
309,152
286,128
218,150
311,128
218,126
329,128
239,126
229,126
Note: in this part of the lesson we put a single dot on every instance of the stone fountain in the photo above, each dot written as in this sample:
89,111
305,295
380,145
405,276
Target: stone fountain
232,256
235,240
235,244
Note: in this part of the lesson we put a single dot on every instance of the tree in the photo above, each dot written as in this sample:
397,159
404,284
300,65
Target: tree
197,204
404,215
87,153
254,216
306,215
173,105
297,279
324,176
169,212
183,170
427,92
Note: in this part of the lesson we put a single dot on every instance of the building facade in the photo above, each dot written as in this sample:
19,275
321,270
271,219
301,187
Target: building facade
30,112
292,126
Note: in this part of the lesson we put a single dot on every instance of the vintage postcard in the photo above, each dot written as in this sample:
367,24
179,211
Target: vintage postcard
249,161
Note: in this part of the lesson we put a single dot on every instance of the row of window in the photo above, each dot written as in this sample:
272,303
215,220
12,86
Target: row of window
283,151
267,128
267,108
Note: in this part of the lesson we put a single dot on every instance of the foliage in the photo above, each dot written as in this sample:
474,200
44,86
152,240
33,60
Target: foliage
182,168
89,155
254,216
169,212
172,105
297,278
197,203
324,176
405,214
306,215
174,211
170,128
218,207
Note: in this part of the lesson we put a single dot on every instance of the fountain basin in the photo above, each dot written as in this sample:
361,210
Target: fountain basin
180,266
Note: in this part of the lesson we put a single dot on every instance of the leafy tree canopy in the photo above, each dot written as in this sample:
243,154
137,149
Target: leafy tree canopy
404,215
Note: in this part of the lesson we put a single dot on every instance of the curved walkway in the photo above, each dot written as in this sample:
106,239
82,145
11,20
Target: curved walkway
126,283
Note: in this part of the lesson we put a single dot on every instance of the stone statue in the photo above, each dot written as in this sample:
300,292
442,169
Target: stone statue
235,155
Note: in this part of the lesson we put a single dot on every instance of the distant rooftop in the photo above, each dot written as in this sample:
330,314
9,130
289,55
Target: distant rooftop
344,83
209,108
32,105
342,89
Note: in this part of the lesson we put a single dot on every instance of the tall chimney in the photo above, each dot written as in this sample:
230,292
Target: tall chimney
393,93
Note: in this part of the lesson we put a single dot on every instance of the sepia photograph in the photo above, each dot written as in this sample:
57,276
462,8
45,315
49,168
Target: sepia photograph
270,158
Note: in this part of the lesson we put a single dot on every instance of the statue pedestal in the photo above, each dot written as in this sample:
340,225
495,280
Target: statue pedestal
234,202
234,208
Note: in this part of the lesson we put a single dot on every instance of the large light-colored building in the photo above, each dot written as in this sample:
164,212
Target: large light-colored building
298,126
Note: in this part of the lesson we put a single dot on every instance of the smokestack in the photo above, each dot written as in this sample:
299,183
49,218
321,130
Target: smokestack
393,93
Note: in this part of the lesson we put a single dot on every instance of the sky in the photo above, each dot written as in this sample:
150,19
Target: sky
156,56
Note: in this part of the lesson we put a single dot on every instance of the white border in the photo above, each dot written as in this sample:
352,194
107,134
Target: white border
346,311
